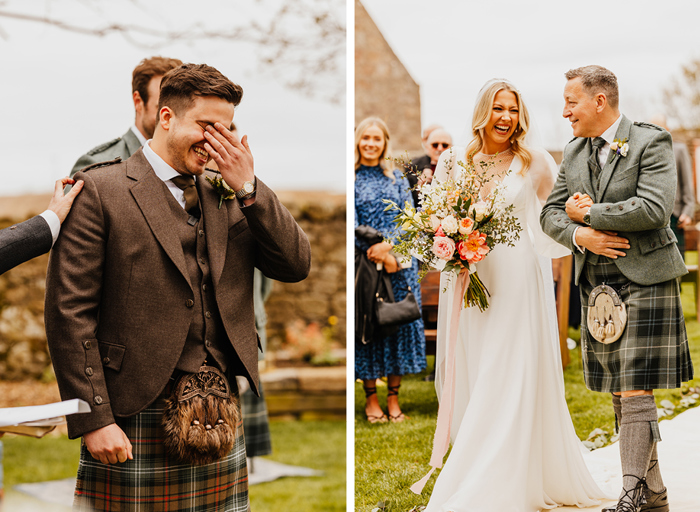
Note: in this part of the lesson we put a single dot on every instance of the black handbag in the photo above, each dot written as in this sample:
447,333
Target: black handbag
391,315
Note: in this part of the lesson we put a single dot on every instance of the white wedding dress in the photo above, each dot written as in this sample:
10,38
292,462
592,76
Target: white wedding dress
514,445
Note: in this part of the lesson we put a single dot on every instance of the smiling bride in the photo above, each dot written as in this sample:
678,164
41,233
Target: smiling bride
514,445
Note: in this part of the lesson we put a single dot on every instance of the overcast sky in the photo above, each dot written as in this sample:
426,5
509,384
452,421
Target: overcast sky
64,93
451,48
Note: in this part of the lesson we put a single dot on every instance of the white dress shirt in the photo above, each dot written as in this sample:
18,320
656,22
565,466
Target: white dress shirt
165,173
138,134
54,224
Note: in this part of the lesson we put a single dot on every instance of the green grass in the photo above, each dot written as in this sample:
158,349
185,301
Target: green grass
389,458
28,460
315,444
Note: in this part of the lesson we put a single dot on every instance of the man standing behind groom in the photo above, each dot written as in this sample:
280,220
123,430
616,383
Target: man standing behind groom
611,206
152,278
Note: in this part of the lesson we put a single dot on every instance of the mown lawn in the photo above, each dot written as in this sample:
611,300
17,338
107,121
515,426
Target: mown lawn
389,458
319,445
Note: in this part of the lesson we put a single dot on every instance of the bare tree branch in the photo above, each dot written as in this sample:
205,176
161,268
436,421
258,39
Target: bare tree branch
302,43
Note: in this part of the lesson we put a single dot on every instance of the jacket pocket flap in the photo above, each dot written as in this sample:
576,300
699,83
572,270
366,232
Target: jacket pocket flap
112,355
657,239
237,228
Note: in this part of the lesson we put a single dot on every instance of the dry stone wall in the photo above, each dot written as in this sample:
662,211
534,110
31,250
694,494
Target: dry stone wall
23,350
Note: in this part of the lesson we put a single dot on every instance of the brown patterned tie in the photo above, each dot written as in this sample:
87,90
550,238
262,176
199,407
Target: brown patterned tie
186,184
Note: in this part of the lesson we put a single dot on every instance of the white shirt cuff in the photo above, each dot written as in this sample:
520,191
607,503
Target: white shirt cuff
574,241
54,224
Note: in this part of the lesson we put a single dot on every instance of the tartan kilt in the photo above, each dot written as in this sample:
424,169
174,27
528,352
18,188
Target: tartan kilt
652,352
153,481
256,423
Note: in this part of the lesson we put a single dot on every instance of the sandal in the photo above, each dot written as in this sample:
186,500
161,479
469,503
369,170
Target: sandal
394,391
370,417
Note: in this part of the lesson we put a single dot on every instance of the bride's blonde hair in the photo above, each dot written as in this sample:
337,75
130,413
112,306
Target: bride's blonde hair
482,114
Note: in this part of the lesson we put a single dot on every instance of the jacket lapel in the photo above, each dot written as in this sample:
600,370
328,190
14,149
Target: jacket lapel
583,157
147,193
623,132
215,225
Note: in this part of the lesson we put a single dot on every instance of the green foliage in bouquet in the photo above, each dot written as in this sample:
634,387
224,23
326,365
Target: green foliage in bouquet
459,222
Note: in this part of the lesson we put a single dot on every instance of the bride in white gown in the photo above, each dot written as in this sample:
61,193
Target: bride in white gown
514,445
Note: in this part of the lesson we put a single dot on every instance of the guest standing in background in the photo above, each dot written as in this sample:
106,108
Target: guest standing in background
403,352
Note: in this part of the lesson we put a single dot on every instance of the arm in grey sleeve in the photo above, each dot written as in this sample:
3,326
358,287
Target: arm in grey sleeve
23,242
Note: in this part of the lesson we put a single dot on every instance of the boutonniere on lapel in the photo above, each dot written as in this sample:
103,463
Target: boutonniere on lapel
220,187
620,147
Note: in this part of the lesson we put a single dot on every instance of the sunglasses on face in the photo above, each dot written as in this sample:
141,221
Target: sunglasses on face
436,145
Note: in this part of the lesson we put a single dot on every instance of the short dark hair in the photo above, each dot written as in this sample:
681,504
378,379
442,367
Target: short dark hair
181,85
595,79
147,69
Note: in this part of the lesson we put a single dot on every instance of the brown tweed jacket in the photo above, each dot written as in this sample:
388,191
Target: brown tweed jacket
118,296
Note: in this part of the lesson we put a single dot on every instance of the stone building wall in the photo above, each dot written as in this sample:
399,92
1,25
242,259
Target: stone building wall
383,86
23,349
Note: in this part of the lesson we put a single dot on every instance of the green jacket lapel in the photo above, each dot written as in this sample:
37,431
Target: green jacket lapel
623,132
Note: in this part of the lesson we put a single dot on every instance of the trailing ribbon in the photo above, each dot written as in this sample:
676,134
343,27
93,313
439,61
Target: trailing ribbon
441,441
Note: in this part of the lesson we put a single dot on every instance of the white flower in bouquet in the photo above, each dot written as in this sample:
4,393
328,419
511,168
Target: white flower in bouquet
454,230
450,225
435,222
480,210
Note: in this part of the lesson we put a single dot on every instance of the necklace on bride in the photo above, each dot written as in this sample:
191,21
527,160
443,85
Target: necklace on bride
494,167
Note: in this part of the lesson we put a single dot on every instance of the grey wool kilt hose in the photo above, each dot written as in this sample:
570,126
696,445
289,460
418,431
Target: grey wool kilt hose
153,481
652,352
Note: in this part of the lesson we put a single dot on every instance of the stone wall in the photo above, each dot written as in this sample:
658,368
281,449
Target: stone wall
383,86
23,350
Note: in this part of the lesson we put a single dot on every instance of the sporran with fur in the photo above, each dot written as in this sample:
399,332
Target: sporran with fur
200,417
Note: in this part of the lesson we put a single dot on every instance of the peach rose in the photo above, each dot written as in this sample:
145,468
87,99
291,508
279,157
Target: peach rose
443,248
466,225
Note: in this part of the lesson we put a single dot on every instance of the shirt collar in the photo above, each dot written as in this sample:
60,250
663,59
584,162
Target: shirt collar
160,167
609,134
138,134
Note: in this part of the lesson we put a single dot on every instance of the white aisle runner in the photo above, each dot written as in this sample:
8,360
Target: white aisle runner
679,457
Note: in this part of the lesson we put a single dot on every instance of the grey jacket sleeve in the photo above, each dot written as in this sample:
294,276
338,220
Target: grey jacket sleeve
23,242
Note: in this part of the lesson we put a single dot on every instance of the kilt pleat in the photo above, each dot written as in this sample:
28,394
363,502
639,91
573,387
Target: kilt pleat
652,352
154,481
256,423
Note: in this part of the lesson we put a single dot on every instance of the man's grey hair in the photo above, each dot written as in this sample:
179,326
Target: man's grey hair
597,79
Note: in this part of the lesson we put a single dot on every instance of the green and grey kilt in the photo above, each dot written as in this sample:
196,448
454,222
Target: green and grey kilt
652,352
153,481
256,423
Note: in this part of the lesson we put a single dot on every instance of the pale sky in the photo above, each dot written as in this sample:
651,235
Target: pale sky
64,93
451,48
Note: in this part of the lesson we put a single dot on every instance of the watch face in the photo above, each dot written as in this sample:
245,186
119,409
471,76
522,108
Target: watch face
248,187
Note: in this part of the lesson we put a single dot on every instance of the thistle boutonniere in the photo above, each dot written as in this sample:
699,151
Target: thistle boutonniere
620,147
220,187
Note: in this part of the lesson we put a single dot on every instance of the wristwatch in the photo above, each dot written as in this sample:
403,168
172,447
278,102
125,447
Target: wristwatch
248,190
587,217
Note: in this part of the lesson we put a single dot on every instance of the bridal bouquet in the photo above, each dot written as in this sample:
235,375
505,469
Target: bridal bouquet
457,225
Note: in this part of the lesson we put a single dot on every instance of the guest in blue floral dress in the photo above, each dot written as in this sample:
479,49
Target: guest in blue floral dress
403,352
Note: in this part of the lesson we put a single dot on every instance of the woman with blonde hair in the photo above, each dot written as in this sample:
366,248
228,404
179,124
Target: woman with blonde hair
514,445
403,352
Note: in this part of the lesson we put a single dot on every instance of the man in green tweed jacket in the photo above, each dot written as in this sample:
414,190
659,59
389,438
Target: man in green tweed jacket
611,205
145,89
